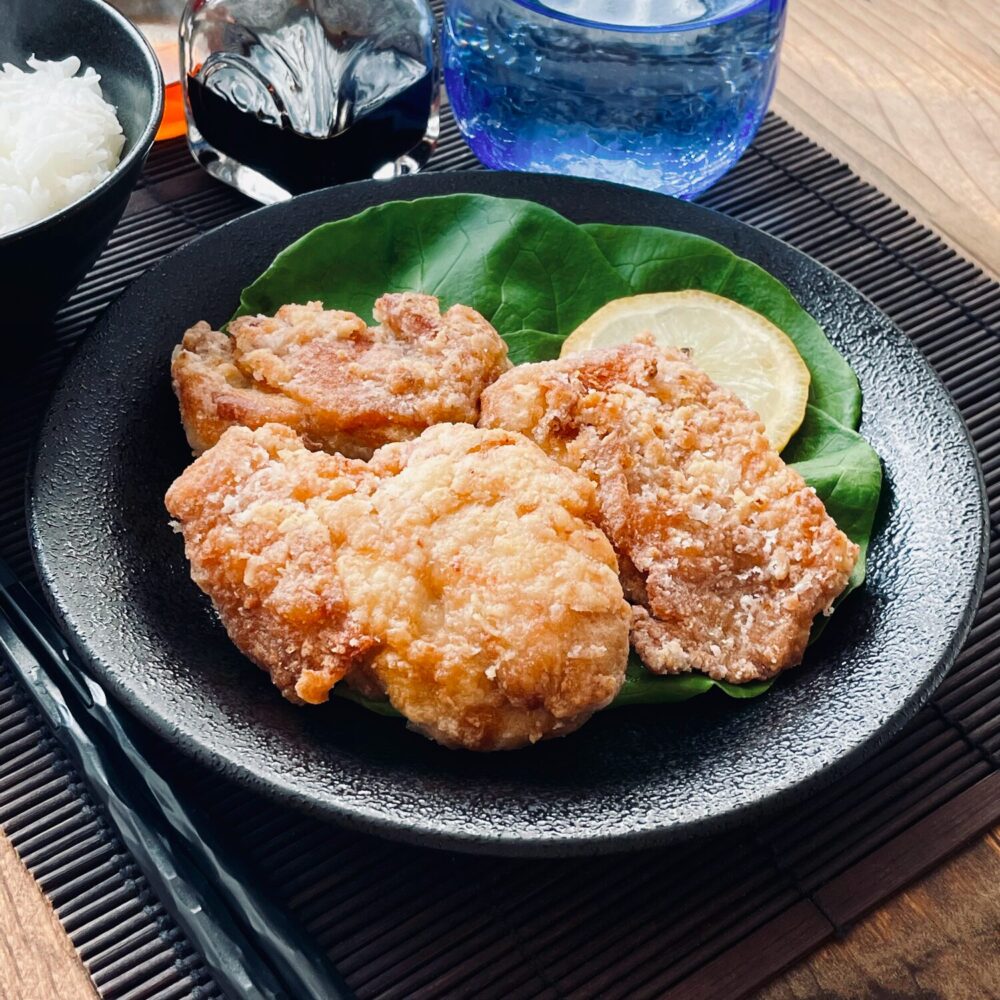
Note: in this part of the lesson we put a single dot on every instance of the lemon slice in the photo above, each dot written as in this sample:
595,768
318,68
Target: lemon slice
738,348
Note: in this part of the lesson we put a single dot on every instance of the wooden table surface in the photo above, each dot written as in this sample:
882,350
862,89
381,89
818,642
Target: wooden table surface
907,92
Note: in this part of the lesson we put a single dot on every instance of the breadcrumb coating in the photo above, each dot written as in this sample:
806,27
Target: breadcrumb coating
459,573
725,553
344,386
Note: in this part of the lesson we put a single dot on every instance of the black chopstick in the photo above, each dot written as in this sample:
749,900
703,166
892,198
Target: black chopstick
252,947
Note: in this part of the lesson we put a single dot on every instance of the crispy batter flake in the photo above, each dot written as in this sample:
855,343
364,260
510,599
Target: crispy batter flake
726,554
344,386
459,573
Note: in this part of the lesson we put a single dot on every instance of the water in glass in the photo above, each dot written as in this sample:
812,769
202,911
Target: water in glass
660,94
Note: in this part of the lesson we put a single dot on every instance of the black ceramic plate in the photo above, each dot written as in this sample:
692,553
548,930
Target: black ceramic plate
117,579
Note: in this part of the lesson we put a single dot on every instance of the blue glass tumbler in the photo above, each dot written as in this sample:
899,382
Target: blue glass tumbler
660,94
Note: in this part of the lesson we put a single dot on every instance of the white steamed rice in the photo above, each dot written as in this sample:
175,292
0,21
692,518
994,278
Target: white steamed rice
58,139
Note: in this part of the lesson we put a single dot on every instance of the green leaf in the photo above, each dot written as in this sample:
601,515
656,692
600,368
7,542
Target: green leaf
525,346
523,266
536,276
643,688
846,473
639,688
380,706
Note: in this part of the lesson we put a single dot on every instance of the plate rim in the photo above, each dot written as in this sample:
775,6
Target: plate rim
421,832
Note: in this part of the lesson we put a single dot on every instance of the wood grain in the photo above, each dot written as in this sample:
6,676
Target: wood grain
37,961
907,93
939,940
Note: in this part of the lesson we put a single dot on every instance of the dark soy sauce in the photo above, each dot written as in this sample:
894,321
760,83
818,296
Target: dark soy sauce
301,163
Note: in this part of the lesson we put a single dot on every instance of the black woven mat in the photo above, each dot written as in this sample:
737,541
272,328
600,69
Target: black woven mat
710,920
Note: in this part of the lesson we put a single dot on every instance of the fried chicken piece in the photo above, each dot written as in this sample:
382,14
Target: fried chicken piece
257,548
344,386
726,554
459,573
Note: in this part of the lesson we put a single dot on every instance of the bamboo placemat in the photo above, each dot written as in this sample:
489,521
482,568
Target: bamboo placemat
708,920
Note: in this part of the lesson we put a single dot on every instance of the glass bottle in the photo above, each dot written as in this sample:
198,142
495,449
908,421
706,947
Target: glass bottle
285,96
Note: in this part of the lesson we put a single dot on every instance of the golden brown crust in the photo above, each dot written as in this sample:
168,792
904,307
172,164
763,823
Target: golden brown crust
726,553
264,558
459,573
343,385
